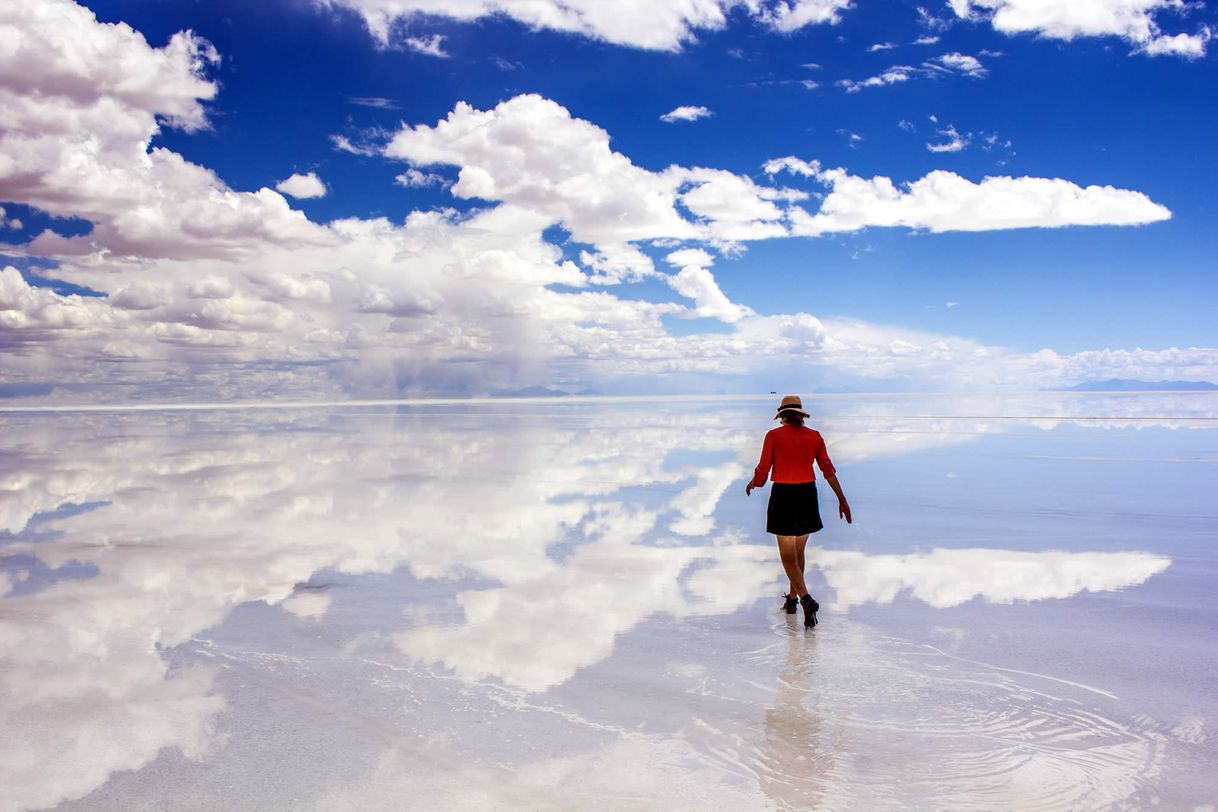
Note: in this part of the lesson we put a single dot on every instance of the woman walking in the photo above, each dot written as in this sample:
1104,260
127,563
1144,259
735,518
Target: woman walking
794,512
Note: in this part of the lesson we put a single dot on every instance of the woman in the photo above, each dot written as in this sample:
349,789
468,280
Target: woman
793,512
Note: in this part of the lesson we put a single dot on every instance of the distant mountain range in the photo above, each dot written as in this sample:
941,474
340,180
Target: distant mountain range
1128,385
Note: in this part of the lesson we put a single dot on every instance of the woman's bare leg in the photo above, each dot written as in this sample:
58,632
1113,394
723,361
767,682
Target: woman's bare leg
800,543
788,552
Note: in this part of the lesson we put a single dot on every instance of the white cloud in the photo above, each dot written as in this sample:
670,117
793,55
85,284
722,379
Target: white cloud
1135,21
949,64
302,186
414,179
955,141
792,15
1190,46
75,141
690,256
733,207
431,46
664,25
932,22
660,25
1174,363
9,222
81,60
686,113
205,288
894,75
944,201
530,152
709,301
961,63
881,46
30,315
926,40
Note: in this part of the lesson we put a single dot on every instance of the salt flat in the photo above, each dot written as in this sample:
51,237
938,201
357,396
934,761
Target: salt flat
573,604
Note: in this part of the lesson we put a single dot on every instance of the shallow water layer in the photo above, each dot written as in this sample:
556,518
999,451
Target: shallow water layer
557,605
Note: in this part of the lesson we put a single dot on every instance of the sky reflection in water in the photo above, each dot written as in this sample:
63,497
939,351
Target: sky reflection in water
574,604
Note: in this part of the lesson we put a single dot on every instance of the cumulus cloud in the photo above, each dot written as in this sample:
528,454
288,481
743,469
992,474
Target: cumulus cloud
302,186
709,301
30,315
1135,21
205,288
75,141
944,201
530,152
792,15
690,256
685,113
664,25
9,222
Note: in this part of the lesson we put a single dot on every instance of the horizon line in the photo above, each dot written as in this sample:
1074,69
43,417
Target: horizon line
497,399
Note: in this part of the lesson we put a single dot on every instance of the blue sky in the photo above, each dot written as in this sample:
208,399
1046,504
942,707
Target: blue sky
184,268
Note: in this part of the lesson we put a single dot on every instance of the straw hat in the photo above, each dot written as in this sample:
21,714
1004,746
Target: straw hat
791,403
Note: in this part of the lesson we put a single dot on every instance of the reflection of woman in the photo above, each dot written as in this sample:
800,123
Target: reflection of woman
797,759
793,511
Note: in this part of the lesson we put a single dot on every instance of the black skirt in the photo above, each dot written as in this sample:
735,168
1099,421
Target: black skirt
794,509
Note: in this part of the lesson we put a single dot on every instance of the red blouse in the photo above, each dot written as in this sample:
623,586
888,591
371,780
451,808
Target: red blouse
790,450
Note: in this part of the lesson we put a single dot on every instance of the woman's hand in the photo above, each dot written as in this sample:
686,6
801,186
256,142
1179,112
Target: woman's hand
843,511
748,489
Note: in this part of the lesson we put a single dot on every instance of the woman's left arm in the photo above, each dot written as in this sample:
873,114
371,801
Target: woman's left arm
843,507
826,468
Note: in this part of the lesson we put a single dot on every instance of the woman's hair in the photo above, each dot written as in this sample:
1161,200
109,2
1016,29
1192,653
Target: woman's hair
792,417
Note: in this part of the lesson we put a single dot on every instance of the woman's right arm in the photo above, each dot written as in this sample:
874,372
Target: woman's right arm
762,471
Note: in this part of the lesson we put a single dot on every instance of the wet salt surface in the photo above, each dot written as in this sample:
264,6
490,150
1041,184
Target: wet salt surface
573,605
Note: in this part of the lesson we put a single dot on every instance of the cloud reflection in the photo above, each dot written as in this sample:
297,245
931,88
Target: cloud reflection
562,528
945,578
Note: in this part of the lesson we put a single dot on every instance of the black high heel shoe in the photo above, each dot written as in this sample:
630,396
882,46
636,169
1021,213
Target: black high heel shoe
810,606
790,604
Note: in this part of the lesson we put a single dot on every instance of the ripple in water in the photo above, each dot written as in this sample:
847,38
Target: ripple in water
860,720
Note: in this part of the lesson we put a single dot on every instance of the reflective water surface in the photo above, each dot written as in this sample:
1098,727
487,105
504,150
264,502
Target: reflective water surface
558,605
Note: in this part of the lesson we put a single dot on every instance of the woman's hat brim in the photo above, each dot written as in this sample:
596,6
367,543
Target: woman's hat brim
791,409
